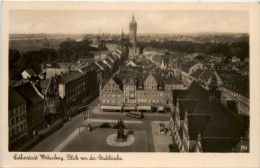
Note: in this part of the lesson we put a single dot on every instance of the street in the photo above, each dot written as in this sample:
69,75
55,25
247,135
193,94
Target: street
53,141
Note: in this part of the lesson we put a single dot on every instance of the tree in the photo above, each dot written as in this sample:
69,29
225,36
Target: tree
14,56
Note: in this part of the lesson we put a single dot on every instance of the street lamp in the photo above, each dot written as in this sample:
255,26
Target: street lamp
89,125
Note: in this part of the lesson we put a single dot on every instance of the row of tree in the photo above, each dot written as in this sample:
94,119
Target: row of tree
69,51
239,49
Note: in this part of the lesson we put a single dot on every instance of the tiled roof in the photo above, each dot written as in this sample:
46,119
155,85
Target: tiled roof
109,62
119,82
172,80
141,78
197,92
30,72
29,93
15,99
197,124
186,105
206,74
187,65
196,74
236,83
102,64
70,76
224,123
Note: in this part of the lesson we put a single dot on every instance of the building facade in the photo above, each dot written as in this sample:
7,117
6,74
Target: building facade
111,95
35,108
50,91
197,124
72,87
142,92
17,117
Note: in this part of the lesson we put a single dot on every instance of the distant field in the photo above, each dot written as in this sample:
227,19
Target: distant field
34,44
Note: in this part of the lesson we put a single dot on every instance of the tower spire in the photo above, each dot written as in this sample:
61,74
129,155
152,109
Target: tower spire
122,35
133,15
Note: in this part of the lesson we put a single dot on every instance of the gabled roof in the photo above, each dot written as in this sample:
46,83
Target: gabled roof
197,124
196,74
108,61
172,80
30,72
186,105
101,64
187,65
197,92
224,123
236,83
29,93
206,74
70,76
15,98
141,78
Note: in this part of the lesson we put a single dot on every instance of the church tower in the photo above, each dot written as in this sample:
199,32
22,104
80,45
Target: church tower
122,36
132,32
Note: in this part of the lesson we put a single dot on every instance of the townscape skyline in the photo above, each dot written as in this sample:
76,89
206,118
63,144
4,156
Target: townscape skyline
149,22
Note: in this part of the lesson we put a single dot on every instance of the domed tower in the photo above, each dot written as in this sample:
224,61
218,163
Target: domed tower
132,31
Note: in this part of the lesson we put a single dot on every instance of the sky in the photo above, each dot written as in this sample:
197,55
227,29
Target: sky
113,21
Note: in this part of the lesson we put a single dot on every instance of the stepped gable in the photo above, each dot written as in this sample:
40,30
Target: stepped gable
119,82
44,85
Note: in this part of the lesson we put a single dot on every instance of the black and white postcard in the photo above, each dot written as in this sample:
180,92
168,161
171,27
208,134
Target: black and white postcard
130,84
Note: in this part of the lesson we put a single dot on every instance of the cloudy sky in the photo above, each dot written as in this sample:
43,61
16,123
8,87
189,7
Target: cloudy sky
113,21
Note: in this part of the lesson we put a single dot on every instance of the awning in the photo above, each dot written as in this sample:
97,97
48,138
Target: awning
143,107
160,108
129,107
111,107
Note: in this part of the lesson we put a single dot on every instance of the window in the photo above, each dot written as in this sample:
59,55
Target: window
17,129
17,119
